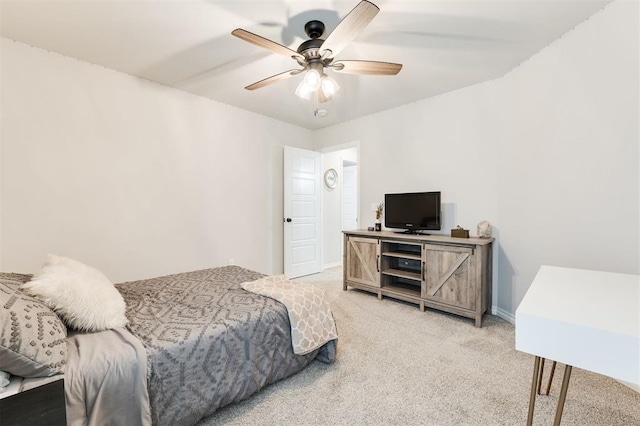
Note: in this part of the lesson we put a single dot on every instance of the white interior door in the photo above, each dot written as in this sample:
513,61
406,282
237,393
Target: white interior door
302,197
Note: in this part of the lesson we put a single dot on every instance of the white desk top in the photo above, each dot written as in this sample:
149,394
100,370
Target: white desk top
587,319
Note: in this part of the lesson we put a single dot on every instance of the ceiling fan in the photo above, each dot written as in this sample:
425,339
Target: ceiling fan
316,54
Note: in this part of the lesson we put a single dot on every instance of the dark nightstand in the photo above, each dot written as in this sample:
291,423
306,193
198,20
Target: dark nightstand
43,405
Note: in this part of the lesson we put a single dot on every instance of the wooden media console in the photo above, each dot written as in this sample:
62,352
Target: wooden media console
436,271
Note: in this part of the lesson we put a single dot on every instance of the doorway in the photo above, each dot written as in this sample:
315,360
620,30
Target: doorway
349,195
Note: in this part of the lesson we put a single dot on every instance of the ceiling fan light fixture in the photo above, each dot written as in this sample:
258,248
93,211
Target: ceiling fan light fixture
312,79
329,86
304,91
311,82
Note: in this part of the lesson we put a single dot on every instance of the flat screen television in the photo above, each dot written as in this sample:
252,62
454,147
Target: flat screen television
413,211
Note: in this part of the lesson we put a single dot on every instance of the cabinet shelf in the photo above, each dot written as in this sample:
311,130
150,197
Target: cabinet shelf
408,289
403,274
403,255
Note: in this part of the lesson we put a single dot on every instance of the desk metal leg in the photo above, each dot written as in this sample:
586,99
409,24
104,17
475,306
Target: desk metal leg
534,382
563,395
553,370
540,375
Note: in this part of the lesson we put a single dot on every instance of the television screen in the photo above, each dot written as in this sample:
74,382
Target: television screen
414,211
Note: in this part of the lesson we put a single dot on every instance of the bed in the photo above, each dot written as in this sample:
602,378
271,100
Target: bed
194,342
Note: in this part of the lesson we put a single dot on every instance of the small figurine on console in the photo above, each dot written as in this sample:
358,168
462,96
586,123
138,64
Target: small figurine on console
484,229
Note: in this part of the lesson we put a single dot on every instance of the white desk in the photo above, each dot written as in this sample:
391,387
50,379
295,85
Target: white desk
585,319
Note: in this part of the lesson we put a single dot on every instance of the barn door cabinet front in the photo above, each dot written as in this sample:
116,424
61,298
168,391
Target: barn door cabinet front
458,278
362,260
448,272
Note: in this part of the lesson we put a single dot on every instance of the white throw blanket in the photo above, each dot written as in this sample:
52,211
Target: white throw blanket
311,319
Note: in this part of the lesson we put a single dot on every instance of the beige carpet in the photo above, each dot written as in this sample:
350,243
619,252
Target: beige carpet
399,366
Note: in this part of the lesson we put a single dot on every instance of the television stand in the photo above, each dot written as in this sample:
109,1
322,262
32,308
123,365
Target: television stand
437,271
409,232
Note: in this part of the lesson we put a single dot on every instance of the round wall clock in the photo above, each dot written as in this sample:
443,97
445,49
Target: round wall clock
331,178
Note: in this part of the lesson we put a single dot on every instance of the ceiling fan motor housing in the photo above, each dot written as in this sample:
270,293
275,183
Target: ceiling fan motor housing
310,48
314,29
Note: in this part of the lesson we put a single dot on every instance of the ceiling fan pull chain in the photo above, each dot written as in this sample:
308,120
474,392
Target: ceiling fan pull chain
315,105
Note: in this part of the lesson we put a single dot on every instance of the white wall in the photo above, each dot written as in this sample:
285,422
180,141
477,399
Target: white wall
130,176
568,168
444,143
332,206
349,204
548,154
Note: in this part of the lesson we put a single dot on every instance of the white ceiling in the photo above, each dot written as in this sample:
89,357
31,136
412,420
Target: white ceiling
443,45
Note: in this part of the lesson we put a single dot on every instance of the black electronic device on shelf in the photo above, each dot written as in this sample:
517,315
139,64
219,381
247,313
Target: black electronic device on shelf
413,211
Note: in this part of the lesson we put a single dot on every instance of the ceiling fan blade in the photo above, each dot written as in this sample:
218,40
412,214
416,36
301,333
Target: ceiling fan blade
273,79
367,67
350,27
265,43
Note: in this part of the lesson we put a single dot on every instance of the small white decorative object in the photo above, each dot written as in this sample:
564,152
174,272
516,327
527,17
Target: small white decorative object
484,229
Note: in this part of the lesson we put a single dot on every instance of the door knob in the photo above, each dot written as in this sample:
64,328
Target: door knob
288,219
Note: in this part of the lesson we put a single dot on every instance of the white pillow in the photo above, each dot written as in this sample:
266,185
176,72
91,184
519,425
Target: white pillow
81,295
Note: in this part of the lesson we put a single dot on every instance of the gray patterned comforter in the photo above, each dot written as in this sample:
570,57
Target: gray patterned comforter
209,343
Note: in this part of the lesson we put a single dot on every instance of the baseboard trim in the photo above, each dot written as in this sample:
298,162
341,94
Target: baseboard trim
331,265
507,316
629,385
